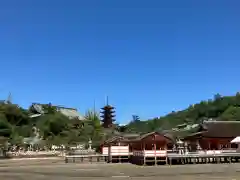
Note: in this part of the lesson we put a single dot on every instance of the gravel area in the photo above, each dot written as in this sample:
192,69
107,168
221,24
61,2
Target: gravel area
56,169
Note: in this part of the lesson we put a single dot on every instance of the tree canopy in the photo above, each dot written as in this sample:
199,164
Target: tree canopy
225,108
53,127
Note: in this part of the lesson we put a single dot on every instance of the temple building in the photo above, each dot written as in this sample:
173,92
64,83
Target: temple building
214,135
71,113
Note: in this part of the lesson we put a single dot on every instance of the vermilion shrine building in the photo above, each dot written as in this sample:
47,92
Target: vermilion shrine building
155,146
214,135
150,146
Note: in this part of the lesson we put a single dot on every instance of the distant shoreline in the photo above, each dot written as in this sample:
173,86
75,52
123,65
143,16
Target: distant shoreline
31,158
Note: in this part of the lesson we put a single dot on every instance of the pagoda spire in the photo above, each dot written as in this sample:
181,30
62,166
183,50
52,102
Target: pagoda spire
107,114
106,100
9,98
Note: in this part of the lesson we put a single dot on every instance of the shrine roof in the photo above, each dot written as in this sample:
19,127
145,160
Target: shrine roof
143,136
224,129
121,137
217,129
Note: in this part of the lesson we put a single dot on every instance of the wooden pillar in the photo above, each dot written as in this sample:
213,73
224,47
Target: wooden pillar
144,158
119,157
109,154
219,146
197,145
155,157
165,148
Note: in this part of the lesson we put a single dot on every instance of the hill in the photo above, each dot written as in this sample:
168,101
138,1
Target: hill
225,108
51,127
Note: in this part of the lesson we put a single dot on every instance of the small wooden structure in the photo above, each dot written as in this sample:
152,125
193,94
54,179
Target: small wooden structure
85,158
117,149
203,158
151,147
214,135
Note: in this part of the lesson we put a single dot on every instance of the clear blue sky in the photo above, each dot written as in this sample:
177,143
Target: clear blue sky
149,57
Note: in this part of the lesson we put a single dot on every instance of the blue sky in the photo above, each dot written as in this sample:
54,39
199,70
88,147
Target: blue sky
150,57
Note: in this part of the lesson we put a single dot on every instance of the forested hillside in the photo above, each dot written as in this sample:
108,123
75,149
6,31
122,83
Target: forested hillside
16,123
225,108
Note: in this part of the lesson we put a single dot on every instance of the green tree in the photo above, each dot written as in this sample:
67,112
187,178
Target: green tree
51,125
231,114
14,123
14,114
5,127
92,125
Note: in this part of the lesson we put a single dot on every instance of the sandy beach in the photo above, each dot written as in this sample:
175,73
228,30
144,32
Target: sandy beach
56,169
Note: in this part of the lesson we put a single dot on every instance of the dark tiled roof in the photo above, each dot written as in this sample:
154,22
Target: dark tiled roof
179,133
168,136
146,135
171,136
122,138
136,137
227,129
130,136
193,135
217,129
113,139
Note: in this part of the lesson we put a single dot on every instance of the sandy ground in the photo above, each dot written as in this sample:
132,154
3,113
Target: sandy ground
55,169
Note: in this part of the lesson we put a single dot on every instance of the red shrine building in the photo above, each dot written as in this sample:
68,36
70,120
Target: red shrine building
139,148
214,135
210,137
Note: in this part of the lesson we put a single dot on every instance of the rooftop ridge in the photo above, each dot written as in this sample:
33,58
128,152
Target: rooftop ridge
57,106
221,122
